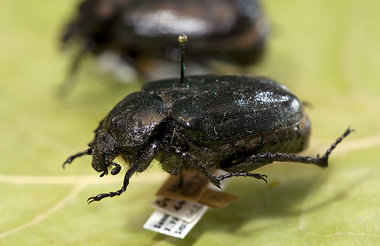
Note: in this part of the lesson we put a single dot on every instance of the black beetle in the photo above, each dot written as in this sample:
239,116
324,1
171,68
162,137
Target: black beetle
137,30
233,123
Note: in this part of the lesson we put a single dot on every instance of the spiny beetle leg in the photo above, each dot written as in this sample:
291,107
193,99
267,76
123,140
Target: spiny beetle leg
246,174
201,167
332,147
71,158
104,195
285,157
134,167
213,179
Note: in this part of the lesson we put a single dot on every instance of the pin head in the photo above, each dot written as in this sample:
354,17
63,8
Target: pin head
182,38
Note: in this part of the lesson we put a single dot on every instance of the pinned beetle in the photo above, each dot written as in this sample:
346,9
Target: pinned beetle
233,123
138,30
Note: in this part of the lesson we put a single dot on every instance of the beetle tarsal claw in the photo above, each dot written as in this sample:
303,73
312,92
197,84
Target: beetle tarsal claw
216,183
69,160
256,175
263,177
104,195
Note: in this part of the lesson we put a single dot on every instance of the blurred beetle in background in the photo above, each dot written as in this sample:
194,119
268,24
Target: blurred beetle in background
140,31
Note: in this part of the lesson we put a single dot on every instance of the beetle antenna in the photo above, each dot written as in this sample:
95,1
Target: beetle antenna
71,158
182,39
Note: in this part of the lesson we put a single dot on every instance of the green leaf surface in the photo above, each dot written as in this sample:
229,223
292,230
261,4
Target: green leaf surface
326,52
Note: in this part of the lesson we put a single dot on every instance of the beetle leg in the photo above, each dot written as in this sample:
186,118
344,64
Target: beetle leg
180,181
216,180
262,159
284,157
245,174
144,160
200,166
71,158
213,179
332,147
127,176
258,160
70,79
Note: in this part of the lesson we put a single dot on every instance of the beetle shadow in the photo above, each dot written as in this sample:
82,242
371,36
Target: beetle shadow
283,200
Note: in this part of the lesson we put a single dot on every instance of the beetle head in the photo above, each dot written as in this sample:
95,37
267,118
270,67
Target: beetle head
91,23
129,126
104,150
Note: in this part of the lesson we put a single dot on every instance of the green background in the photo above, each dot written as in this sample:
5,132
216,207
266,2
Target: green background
326,52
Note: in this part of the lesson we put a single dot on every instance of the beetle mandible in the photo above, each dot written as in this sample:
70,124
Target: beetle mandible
233,123
138,30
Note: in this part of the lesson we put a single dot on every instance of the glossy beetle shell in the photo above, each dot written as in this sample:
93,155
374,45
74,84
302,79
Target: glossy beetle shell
213,117
221,109
233,123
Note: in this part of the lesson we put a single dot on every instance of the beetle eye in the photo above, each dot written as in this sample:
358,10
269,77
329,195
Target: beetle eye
109,152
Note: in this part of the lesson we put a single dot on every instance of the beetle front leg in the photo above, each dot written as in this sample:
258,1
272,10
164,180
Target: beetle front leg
143,161
127,176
